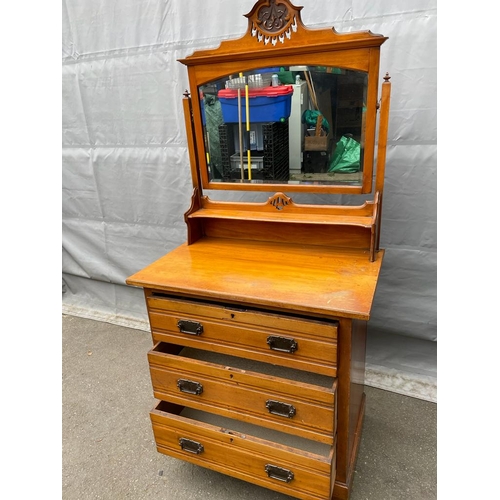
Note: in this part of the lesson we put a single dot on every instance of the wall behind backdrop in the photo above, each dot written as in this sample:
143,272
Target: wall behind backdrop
125,169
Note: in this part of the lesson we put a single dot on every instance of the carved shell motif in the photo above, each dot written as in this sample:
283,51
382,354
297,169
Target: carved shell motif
279,201
272,21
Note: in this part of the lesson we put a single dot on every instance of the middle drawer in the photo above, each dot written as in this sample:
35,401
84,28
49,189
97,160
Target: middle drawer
275,397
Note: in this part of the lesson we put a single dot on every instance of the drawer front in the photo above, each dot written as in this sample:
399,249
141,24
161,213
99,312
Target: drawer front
291,406
292,471
304,344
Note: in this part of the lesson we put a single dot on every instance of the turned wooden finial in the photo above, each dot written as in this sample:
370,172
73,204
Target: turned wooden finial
186,93
387,77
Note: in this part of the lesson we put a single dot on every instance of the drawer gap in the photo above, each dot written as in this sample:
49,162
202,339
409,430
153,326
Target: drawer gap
236,365
242,429
167,348
249,365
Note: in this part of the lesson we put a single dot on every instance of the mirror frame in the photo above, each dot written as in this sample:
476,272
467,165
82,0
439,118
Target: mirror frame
285,41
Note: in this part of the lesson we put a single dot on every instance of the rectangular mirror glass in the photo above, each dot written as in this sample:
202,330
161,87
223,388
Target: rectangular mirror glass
286,125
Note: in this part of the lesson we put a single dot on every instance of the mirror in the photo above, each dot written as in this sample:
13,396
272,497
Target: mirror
301,125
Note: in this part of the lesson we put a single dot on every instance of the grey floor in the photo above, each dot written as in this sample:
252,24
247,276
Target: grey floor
109,451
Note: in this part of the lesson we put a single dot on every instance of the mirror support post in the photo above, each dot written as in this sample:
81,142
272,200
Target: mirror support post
195,228
191,142
382,148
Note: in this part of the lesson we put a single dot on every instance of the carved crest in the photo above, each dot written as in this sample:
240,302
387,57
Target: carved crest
279,201
273,20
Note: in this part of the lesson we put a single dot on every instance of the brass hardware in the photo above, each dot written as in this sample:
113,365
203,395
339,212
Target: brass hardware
281,409
191,446
189,387
190,327
282,344
279,473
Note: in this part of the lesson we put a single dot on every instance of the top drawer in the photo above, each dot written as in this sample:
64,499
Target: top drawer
286,340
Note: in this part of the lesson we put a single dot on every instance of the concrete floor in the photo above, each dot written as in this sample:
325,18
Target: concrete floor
109,451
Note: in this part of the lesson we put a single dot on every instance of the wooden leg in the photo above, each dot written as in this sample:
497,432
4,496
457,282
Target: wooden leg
341,491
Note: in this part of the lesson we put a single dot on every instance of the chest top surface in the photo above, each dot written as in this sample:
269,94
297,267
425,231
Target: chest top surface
294,278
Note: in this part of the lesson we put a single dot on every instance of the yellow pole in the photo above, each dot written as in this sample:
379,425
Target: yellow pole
240,128
248,135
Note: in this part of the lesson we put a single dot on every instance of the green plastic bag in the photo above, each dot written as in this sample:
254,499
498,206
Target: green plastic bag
347,156
310,116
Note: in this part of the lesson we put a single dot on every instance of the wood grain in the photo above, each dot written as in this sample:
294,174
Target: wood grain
242,394
303,279
245,456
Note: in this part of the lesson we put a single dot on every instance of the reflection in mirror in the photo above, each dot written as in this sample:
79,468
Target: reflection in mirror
293,125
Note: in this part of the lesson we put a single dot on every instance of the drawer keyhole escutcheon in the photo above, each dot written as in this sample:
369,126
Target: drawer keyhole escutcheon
189,386
190,327
282,344
191,446
280,409
275,472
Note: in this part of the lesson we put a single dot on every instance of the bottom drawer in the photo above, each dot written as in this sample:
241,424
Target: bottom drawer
294,466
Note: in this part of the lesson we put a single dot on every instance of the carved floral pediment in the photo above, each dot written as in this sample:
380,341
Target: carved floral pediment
273,20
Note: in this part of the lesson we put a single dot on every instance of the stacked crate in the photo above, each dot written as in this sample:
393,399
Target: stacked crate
275,152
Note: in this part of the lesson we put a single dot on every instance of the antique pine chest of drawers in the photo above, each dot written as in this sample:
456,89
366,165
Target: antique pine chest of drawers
267,389
259,319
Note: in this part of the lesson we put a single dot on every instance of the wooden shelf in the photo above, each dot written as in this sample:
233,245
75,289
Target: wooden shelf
279,219
366,221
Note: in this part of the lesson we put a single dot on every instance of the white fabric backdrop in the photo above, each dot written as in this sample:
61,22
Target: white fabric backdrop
126,178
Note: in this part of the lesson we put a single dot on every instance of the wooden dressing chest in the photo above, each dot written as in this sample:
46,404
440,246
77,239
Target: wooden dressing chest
259,320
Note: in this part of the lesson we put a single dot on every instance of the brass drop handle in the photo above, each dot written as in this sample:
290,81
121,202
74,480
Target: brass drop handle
282,344
275,472
191,446
190,327
280,409
189,386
